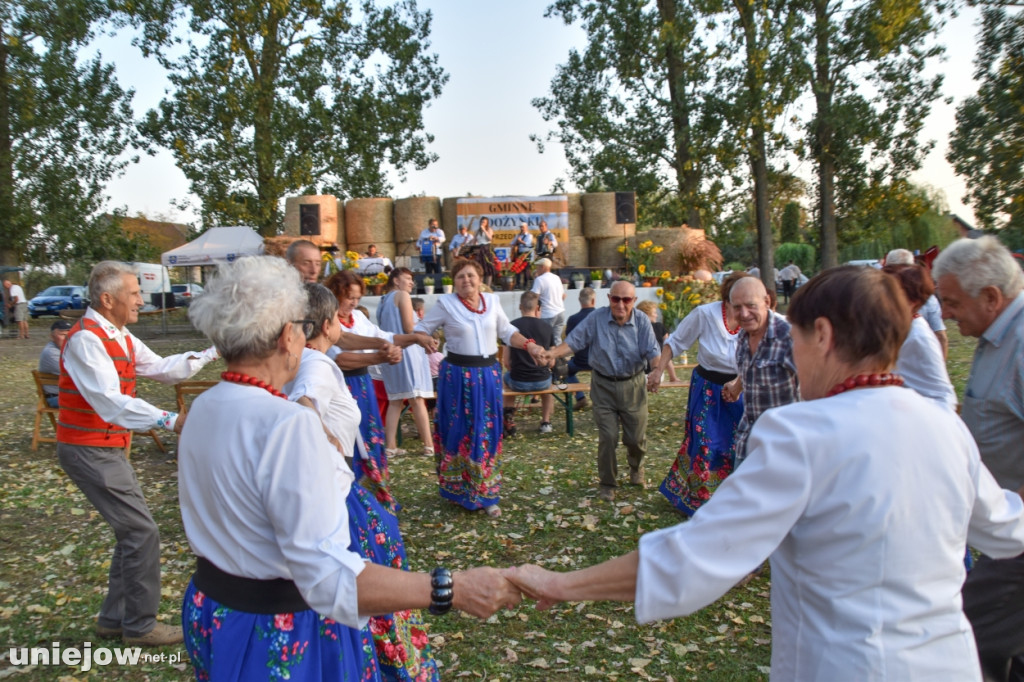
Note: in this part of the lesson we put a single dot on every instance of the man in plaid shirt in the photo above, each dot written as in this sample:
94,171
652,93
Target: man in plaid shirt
764,358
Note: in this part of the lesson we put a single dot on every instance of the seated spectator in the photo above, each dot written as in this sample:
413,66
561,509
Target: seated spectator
580,361
49,358
524,374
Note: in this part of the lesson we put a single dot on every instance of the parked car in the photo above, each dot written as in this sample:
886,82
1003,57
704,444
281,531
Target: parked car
867,262
54,299
184,293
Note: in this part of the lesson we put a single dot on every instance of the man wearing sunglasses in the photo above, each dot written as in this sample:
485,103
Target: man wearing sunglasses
621,345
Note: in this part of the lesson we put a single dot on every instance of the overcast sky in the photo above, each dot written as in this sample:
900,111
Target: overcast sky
500,55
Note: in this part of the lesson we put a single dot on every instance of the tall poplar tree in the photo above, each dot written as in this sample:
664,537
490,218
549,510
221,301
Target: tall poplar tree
636,111
290,96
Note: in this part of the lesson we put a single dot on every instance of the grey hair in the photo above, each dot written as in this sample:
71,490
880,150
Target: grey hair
529,301
980,263
246,305
322,306
899,257
107,277
542,263
587,295
292,252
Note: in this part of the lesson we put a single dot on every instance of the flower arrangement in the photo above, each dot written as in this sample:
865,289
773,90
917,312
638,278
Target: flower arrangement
512,267
447,281
681,295
596,275
350,261
640,259
380,278
428,281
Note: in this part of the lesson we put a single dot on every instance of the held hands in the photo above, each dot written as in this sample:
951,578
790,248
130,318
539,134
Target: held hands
390,354
731,391
429,343
481,592
654,380
535,583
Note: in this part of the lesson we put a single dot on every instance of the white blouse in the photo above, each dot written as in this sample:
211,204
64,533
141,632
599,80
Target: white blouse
864,502
262,496
922,367
717,349
466,332
320,380
362,326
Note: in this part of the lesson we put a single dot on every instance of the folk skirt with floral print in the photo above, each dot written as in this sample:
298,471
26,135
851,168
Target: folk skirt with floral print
706,456
372,473
467,434
225,644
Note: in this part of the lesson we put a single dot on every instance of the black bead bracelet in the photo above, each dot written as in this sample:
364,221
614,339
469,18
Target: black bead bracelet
441,591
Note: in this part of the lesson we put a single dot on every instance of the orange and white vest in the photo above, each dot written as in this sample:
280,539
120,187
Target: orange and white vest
78,423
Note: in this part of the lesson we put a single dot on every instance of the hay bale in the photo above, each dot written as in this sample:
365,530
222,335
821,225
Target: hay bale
576,216
604,253
369,221
449,217
384,249
599,217
577,253
331,219
412,215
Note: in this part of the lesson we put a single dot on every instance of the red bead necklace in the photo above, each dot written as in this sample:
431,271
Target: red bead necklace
351,321
470,308
726,323
883,379
239,378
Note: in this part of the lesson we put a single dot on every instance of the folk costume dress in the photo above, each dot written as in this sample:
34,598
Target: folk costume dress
372,472
863,503
403,651
410,378
263,498
705,458
468,419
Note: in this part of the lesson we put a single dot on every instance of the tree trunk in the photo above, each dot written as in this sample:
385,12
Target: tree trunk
823,137
9,254
687,175
265,80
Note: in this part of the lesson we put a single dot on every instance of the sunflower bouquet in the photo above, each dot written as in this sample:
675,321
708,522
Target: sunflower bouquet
640,260
677,297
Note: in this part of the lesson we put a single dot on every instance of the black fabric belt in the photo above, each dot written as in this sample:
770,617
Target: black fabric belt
247,594
358,372
608,378
719,378
470,360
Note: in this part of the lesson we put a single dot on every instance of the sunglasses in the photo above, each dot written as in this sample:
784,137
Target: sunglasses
622,299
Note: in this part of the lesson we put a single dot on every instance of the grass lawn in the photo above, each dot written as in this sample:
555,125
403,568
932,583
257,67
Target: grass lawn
56,550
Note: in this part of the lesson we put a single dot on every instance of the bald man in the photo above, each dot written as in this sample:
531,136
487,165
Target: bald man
622,345
764,358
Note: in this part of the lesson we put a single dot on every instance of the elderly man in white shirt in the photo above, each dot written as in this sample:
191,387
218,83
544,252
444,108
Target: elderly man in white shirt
19,306
429,242
98,411
552,297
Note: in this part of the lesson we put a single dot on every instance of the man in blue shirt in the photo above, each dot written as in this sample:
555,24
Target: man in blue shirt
580,361
622,346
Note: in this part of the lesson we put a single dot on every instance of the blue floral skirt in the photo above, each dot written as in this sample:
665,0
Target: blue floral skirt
706,456
467,434
373,473
225,644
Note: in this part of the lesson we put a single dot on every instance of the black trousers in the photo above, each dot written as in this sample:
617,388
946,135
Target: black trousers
994,603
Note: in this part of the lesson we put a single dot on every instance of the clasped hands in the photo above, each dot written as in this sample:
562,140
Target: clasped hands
481,592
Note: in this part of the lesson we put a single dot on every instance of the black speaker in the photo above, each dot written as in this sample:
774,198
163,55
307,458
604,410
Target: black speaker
625,208
309,220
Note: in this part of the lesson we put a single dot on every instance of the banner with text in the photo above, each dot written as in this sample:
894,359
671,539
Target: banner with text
506,213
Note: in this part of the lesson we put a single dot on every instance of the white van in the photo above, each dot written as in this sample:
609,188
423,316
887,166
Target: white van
154,279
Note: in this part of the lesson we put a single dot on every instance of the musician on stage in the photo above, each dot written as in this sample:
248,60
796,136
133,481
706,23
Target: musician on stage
460,241
430,243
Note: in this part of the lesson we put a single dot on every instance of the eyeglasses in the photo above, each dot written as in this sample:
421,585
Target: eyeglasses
622,299
308,327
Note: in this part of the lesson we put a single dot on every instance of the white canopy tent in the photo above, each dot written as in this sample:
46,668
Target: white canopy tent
216,245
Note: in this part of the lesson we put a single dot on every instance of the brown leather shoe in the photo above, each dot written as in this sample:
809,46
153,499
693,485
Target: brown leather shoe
636,477
160,635
108,633
606,494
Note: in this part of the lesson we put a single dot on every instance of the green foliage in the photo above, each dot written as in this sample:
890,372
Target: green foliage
789,229
801,254
636,109
859,138
678,297
280,98
64,123
987,146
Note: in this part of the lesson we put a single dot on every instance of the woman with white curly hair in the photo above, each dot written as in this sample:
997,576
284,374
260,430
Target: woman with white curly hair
280,588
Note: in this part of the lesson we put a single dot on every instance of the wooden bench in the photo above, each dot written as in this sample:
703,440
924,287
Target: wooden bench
42,408
184,389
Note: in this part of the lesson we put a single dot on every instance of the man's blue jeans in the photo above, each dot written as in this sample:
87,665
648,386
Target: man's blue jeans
571,379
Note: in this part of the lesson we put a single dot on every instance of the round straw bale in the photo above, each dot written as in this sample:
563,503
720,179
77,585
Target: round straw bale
412,215
575,215
331,220
577,251
604,253
449,217
368,221
599,217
